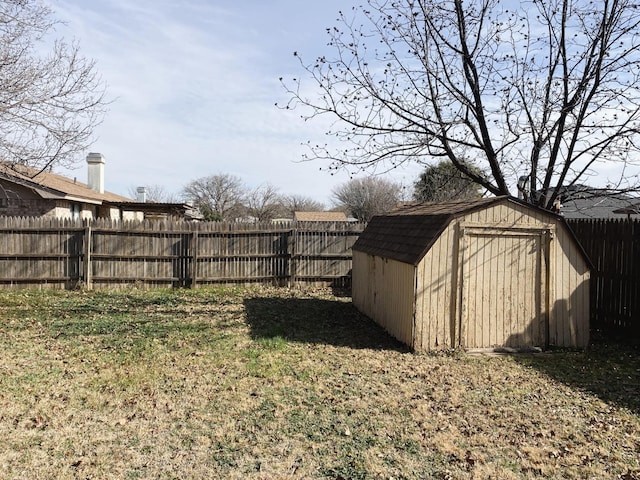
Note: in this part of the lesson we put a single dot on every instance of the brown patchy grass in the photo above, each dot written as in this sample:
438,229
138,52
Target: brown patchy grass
270,384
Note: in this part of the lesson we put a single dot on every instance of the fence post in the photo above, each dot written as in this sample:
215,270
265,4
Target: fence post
292,256
193,259
87,257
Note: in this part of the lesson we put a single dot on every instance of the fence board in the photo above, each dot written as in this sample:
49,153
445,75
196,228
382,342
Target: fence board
103,253
614,249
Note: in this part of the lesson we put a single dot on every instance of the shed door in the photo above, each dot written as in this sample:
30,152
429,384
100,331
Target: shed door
503,300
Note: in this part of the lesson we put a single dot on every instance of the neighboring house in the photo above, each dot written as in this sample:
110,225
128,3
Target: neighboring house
628,211
159,211
25,191
319,217
582,202
282,220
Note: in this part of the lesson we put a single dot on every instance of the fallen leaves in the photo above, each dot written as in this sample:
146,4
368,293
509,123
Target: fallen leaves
268,383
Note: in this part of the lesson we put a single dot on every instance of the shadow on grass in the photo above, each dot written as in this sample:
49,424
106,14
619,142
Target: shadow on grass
316,321
609,369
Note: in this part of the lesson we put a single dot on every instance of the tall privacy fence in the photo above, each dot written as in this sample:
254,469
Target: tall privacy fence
52,253
614,249
38,252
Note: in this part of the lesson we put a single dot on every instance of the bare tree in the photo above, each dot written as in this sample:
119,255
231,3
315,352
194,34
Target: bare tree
300,203
155,194
218,197
369,196
548,91
442,182
263,202
49,104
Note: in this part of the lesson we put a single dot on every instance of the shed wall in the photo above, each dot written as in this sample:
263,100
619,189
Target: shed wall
438,287
508,214
437,294
569,298
384,291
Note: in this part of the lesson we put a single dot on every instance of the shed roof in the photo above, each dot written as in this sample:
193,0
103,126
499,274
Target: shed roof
407,233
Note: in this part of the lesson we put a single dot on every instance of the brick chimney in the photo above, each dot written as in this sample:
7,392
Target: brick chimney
95,171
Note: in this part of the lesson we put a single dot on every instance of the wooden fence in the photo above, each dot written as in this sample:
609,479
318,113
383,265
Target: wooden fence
66,254
614,249
51,253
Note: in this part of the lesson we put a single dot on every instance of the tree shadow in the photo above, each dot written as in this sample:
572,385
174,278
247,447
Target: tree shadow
609,369
317,321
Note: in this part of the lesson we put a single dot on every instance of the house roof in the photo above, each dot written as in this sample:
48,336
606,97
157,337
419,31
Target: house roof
320,216
53,186
607,206
632,210
407,233
585,202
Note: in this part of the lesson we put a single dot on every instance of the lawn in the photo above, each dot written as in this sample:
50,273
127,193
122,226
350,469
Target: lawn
265,383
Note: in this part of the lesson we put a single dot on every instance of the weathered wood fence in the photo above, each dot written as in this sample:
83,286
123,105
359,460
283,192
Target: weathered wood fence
614,249
51,253
66,254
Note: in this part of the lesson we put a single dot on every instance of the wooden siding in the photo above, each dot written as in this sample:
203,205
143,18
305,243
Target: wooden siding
62,254
569,321
508,215
384,292
437,295
568,275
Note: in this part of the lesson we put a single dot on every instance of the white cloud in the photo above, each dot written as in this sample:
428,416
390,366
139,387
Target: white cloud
194,84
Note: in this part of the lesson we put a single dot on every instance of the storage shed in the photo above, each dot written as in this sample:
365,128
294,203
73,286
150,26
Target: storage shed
486,273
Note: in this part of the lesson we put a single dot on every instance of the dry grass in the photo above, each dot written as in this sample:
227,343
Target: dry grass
271,384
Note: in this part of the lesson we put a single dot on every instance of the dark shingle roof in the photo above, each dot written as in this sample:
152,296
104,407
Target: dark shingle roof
407,233
596,207
584,202
453,207
404,238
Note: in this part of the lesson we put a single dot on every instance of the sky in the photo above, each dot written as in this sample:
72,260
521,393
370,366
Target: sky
194,84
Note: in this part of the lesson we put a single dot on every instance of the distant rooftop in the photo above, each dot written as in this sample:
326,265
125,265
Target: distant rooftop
320,217
582,202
